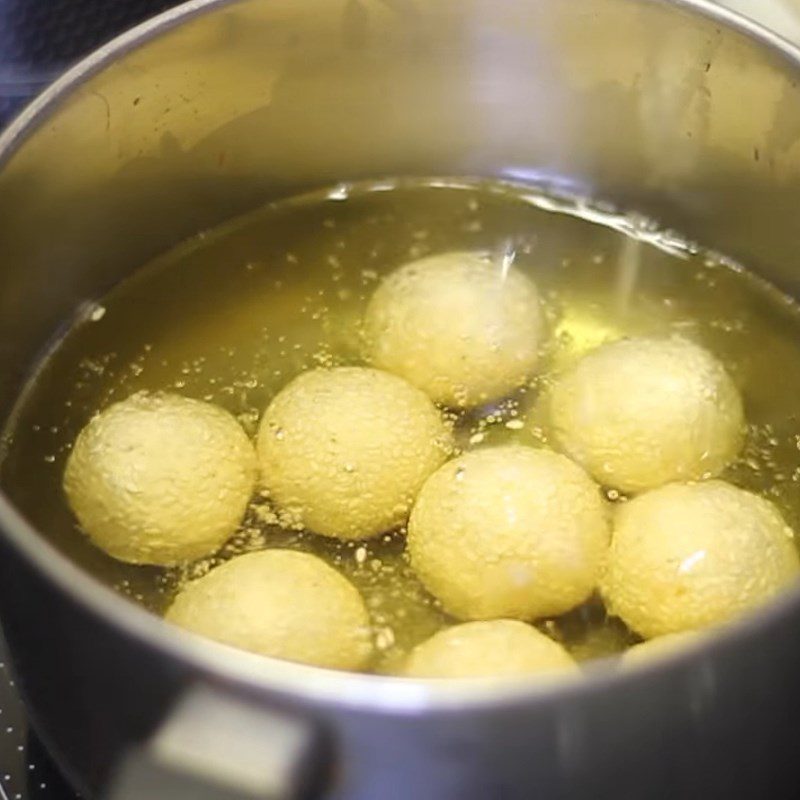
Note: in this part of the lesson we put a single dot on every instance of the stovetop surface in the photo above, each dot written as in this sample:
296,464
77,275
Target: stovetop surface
26,771
39,39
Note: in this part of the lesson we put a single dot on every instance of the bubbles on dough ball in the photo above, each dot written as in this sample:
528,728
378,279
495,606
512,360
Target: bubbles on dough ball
509,532
692,555
456,325
160,479
638,413
486,650
344,451
279,603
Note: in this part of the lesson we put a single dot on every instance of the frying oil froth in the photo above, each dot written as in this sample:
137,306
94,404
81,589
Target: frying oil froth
233,315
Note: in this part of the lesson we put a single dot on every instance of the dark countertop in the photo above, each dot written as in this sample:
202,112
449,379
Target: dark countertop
39,39
26,772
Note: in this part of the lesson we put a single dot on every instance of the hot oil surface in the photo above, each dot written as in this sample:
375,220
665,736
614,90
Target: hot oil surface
232,315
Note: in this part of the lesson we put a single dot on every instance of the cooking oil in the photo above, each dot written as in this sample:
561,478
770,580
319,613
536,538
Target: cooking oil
232,315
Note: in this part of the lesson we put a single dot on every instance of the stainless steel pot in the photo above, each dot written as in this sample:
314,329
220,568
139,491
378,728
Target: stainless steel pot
676,109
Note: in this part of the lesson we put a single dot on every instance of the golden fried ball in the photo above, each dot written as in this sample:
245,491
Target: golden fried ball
160,479
458,326
638,413
509,532
485,650
279,603
344,451
691,555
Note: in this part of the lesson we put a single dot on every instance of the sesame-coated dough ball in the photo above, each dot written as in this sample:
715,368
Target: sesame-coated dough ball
279,603
160,479
344,451
487,650
509,532
638,413
692,555
458,326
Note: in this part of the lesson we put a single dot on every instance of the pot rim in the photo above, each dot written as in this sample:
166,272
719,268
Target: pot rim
404,696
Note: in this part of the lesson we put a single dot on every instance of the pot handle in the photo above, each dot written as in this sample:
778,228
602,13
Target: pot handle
213,746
